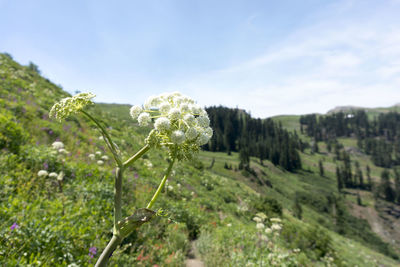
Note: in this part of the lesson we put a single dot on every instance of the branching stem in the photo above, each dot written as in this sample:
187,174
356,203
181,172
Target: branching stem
160,187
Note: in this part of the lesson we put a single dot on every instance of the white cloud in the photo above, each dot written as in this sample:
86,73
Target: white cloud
335,62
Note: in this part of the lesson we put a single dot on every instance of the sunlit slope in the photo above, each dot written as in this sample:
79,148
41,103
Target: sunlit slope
208,202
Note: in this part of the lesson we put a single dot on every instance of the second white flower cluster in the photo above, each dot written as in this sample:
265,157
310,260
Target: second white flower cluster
276,223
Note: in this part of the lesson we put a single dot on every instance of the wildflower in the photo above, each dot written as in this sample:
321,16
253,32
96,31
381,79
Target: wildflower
162,124
257,219
98,153
268,230
260,226
14,226
71,105
105,158
276,227
45,166
53,175
203,121
135,111
203,139
165,107
264,238
100,162
181,126
261,215
57,145
148,164
276,220
170,188
42,173
144,119
191,133
60,176
62,151
189,119
174,114
91,156
92,251
229,225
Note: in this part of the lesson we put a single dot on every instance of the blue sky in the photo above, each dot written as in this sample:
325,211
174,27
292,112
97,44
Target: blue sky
268,57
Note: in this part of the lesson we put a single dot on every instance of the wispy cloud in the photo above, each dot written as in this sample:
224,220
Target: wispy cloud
353,61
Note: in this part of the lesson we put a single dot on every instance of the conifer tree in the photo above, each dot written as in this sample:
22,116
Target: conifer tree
359,176
339,179
297,209
397,184
321,168
385,187
369,178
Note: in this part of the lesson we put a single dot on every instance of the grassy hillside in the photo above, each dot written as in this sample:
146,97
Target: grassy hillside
208,203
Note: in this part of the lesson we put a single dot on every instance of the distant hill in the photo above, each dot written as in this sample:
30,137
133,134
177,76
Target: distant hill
371,111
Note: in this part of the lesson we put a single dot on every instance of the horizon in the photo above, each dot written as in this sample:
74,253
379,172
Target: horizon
269,59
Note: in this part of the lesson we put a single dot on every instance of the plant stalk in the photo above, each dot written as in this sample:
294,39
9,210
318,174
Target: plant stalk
108,140
140,153
117,199
108,251
160,187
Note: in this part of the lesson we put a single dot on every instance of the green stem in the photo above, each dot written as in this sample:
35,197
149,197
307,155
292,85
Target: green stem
136,156
117,199
160,187
108,251
108,140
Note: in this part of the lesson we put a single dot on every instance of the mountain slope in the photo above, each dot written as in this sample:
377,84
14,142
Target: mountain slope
50,222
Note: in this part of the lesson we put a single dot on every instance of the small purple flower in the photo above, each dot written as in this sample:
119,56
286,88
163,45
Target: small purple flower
45,166
14,226
92,252
50,132
37,143
89,174
136,175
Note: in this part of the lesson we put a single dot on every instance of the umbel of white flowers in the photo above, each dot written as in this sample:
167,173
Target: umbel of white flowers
180,124
71,105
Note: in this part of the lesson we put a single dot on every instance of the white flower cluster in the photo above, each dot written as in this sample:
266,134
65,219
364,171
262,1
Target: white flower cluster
259,219
180,124
275,227
43,173
101,158
71,105
54,175
58,149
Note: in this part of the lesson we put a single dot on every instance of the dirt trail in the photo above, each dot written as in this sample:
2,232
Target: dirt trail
193,259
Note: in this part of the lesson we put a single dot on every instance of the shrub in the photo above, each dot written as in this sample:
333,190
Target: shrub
12,135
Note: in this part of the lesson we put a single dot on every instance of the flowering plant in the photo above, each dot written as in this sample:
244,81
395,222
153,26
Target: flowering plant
180,126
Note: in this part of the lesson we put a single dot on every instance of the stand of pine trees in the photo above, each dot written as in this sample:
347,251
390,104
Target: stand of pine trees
379,137
235,130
